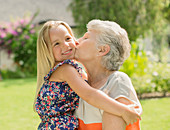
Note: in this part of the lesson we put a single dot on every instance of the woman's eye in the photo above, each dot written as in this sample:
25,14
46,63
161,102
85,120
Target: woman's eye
56,44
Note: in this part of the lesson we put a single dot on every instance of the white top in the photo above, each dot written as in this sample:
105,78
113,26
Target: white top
118,85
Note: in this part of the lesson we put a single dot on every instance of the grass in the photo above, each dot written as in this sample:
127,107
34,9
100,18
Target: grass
16,111
156,115
16,105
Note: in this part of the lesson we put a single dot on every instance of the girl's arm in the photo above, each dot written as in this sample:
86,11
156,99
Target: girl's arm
93,96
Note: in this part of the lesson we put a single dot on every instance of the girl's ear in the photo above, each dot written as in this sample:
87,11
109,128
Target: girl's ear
103,50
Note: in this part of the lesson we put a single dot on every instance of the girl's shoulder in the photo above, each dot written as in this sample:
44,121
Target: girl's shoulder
74,63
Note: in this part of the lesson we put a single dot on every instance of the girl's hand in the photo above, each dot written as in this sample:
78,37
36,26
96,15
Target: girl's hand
131,115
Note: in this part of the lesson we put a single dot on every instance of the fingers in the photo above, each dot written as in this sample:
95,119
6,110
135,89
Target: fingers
138,117
138,110
134,114
133,106
132,122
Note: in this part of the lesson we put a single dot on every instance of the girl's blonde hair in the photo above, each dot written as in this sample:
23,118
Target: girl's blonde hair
45,58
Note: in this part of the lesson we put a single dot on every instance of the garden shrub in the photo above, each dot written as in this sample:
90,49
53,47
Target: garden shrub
146,76
9,74
137,62
19,38
160,77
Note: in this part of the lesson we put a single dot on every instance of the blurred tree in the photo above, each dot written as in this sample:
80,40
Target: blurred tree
166,10
136,16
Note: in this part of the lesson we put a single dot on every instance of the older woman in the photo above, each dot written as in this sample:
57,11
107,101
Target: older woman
102,50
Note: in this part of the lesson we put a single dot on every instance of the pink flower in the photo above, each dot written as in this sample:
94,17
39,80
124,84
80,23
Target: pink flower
32,31
14,33
2,35
27,37
9,41
32,26
22,21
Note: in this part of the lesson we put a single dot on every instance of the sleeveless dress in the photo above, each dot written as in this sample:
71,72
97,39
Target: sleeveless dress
56,103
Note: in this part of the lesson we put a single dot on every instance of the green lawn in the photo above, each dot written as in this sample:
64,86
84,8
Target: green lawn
16,105
16,111
156,115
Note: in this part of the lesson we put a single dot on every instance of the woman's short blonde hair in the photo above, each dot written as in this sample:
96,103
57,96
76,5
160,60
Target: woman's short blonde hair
110,33
45,58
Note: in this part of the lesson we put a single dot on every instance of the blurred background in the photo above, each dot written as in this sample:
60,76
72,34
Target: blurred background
146,21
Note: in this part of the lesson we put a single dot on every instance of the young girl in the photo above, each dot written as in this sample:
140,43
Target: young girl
56,96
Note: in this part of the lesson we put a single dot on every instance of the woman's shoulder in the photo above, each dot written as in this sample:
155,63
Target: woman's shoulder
122,75
119,77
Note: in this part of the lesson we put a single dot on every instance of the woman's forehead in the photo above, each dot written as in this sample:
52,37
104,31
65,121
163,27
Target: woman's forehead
92,33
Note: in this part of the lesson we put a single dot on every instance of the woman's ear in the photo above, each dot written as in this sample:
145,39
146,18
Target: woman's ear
103,50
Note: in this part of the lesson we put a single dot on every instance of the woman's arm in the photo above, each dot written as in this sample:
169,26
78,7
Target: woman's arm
113,122
93,96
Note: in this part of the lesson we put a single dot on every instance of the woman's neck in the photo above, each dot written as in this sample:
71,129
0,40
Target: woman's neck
97,75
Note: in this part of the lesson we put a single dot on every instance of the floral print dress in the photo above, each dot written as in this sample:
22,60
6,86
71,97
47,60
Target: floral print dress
56,103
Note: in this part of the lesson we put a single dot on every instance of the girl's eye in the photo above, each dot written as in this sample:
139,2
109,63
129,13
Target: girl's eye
67,39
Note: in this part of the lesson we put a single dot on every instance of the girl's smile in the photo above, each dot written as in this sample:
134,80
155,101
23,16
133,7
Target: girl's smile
68,52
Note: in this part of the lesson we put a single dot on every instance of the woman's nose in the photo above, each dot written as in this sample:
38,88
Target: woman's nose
76,42
79,40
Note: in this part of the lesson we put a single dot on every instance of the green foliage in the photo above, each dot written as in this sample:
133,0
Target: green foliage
135,66
142,84
19,38
18,73
137,62
146,76
136,16
166,10
155,79
160,77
